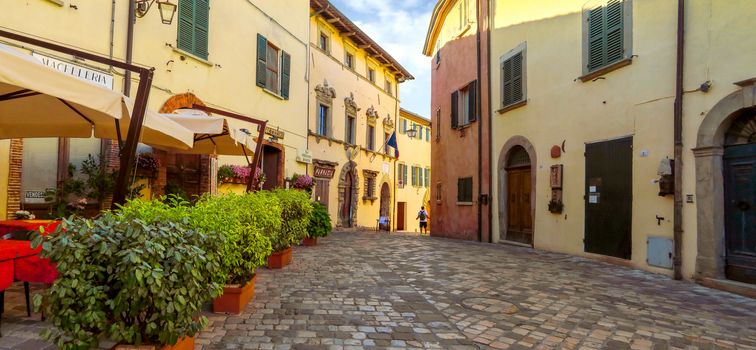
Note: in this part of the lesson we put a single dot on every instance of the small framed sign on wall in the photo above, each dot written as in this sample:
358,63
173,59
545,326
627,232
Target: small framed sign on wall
556,176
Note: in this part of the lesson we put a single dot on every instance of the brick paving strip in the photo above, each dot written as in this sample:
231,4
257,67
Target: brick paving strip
371,290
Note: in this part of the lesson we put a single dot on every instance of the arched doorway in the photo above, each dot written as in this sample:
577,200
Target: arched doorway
349,187
516,175
726,189
740,198
519,223
384,213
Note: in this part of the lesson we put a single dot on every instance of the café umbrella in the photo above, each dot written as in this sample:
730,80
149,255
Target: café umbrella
38,101
213,135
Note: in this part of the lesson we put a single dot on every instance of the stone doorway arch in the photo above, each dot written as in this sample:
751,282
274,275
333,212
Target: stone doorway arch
349,189
514,147
709,151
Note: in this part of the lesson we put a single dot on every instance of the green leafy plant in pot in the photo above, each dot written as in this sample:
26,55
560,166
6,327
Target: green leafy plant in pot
319,225
242,220
295,214
138,276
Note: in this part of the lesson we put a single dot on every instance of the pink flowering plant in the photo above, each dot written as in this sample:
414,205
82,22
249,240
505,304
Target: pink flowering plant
302,182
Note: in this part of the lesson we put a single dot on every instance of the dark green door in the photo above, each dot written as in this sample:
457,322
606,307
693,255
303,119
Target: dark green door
740,212
608,197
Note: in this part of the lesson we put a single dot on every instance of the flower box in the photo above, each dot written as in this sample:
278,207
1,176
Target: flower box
280,259
186,343
235,298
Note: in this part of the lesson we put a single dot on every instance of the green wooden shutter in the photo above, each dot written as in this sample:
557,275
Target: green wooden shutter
201,27
285,74
454,109
596,39
262,56
606,34
186,25
506,72
404,175
472,89
427,177
517,82
614,31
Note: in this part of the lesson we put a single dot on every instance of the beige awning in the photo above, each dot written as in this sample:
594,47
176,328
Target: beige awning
38,101
213,135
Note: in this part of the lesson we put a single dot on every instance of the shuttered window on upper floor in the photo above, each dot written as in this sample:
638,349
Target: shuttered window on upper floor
193,27
513,78
273,68
607,33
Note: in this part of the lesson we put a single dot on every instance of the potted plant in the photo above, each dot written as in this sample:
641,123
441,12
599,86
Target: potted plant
242,220
302,182
136,276
225,174
319,225
295,215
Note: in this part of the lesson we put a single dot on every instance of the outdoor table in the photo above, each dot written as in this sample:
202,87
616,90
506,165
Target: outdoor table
19,262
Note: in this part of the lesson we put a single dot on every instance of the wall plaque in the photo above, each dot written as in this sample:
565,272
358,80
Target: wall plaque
323,172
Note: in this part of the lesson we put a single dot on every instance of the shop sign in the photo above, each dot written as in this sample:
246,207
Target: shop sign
304,156
274,132
324,172
91,75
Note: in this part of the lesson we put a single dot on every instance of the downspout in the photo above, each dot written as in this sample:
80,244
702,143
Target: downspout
678,230
129,46
490,123
480,123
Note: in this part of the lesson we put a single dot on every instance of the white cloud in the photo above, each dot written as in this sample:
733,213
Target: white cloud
399,27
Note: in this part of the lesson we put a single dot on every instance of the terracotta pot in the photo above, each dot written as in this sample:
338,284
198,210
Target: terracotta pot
280,259
310,241
235,299
186,343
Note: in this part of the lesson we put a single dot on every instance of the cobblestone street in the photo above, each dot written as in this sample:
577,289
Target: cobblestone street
358,290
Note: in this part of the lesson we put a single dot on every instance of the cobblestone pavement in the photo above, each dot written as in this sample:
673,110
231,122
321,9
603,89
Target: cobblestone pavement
371,290
361,290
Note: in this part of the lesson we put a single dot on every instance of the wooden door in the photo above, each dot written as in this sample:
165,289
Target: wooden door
183,175
519,219
608,197
740,212
271,164
322,188
346,205
401,214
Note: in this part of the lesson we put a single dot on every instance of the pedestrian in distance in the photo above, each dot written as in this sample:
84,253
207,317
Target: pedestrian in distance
423,216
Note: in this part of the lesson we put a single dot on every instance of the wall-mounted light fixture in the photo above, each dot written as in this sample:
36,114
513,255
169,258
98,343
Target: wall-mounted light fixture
411,133
166,8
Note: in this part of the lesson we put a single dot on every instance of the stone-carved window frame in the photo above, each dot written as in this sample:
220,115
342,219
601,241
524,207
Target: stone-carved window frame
370,177
351,109
325,95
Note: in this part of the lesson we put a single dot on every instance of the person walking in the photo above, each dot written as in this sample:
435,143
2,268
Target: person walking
423,216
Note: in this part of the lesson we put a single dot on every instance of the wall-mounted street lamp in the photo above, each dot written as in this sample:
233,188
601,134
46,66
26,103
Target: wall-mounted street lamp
411,133
166,8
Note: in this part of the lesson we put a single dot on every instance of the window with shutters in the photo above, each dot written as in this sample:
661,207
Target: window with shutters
193,26
427,177
401,175
464,106
349,60
324,119
389,88
273,68
513,78
607,35
324,42
371,75
351,126
464,190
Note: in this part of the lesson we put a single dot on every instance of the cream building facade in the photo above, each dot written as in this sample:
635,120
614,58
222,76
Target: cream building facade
584,133
353,108
413,170
247,57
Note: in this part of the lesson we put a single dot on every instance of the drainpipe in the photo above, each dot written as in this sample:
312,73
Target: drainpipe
490,122
129,46
678,230
480,123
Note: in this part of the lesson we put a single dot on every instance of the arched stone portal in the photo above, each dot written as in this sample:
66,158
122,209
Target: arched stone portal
710,183
349,189
517,167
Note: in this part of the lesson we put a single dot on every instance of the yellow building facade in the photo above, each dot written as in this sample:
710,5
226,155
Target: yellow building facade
413,169
242,56
353,108
584,133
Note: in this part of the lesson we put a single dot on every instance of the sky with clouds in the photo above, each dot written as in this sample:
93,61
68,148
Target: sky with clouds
399,26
